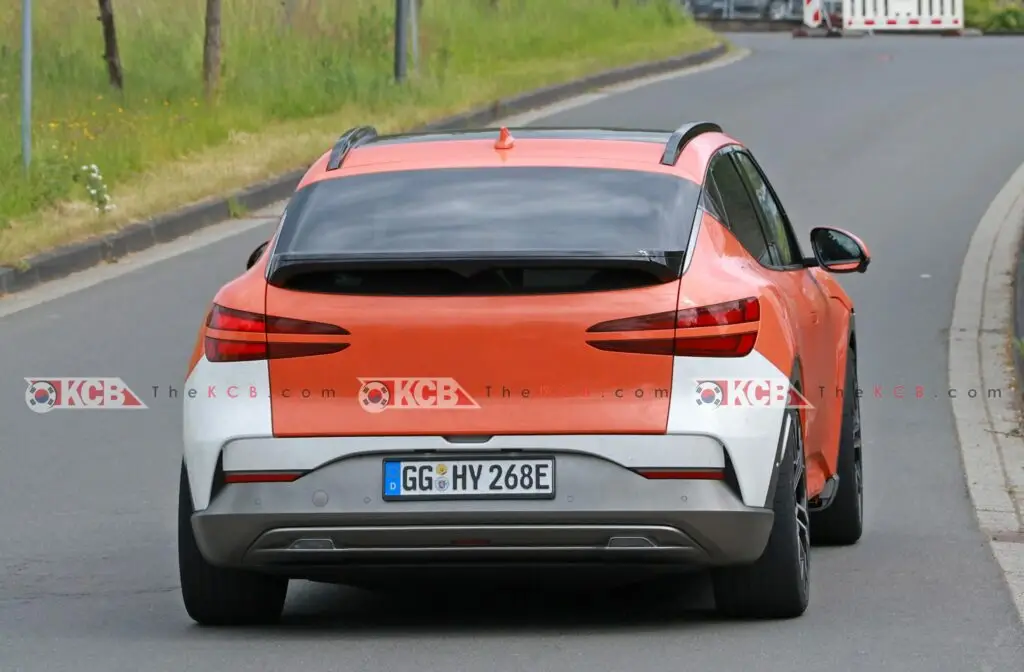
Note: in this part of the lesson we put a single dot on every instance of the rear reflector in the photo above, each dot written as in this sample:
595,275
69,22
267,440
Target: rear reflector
683,474
736,343
254,336
261,476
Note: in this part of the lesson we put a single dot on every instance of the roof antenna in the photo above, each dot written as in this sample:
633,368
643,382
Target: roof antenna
505,140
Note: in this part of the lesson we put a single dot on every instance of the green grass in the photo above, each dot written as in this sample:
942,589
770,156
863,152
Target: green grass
995,16
292,81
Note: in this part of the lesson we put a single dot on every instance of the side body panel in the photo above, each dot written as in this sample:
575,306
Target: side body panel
231,400
719,268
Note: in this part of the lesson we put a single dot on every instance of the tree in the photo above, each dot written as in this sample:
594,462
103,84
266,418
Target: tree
111,54
211,49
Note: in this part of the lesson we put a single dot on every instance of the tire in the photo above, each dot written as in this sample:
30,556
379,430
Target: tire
842,523
217,595
777,585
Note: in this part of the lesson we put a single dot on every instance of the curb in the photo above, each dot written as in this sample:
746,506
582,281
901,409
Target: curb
986,313
804,31
66,260
749,25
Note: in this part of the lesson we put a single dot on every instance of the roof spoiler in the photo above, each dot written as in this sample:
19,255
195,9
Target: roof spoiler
682,136
664,265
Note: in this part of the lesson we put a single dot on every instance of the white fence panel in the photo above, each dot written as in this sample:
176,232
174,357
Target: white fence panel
881,15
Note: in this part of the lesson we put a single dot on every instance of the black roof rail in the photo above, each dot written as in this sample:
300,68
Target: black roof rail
350,139
683,135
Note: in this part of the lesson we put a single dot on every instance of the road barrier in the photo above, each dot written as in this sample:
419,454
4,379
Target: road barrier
764,15
942,16
832,17
747,11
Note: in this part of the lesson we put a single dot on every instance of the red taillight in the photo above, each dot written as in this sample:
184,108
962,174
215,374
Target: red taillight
254,336
743,316
218,350
229,319
722,314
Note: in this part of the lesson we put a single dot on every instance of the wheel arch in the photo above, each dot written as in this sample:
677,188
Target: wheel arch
796,379
852,338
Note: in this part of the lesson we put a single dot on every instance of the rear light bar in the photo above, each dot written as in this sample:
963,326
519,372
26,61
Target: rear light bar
262,476
250,337
740,317
682,474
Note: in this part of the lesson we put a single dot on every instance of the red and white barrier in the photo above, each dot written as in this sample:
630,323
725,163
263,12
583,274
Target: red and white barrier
915,15
812,13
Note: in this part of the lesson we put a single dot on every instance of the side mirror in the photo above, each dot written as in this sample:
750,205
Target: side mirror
839,251
256,254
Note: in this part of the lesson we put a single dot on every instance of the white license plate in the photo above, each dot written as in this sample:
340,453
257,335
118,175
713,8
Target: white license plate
520,478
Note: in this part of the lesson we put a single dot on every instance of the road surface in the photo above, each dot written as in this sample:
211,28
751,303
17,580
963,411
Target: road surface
902,140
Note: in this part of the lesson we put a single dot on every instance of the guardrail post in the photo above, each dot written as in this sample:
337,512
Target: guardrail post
401,39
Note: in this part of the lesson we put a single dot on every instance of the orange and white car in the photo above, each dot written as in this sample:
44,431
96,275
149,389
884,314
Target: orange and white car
544,347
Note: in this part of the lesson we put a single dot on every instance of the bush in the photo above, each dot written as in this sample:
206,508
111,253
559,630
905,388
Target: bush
995,16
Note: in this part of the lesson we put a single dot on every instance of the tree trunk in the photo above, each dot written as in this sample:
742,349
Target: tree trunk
111,54
289,11
211,49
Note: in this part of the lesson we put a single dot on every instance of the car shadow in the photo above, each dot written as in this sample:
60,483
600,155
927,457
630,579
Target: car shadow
314,609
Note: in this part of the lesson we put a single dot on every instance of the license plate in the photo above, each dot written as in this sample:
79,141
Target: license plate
520,478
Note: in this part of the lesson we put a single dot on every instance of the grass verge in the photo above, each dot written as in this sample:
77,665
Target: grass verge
295,74
995,16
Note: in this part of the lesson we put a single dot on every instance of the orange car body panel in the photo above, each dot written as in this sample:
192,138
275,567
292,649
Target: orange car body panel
521,359
792,327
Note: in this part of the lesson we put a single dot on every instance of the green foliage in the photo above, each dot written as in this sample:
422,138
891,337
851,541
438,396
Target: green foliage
995,16
282,61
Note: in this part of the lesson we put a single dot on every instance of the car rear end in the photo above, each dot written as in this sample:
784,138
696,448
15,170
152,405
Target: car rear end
477,365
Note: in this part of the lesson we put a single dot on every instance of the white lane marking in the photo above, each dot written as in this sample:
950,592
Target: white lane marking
981,358
926,275
20,301
133,262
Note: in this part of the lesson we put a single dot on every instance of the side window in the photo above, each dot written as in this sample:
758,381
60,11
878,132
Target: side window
739,209
714,201
771,211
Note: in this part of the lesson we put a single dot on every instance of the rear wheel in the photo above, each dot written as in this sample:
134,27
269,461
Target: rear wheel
778,584
842,523
216,595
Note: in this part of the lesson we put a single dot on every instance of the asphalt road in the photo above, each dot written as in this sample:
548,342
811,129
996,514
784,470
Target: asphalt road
902,140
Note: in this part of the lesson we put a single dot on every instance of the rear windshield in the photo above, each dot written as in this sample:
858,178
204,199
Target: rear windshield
520,209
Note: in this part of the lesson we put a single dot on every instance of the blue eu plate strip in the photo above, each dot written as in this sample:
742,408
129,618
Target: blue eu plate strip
392,478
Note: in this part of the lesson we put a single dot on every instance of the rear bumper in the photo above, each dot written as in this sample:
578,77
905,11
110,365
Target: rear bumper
335,517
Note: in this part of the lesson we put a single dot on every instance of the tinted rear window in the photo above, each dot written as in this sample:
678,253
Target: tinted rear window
517,209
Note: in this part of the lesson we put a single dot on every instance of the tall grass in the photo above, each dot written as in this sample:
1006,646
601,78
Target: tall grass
995,16
284,61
